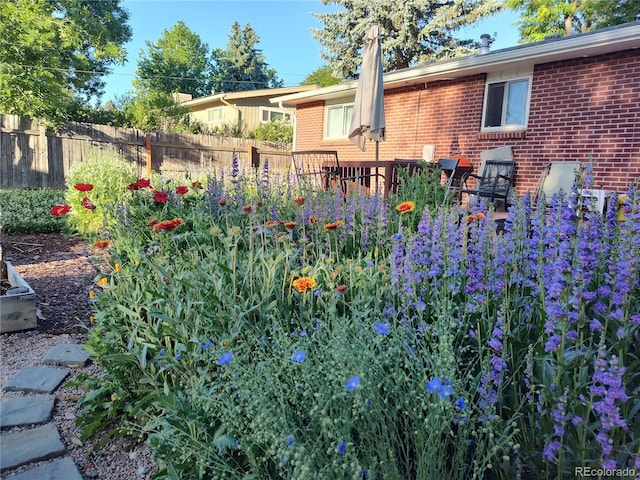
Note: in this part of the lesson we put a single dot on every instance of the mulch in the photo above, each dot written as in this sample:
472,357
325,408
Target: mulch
61,270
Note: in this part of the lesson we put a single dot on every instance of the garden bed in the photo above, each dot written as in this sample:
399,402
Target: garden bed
17,301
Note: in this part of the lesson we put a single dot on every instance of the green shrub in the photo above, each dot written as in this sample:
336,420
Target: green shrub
276,131
29,211
108,175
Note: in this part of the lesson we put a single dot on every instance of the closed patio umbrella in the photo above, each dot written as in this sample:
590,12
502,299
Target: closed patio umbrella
368,111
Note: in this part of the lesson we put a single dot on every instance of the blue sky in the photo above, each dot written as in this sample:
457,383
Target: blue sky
283,26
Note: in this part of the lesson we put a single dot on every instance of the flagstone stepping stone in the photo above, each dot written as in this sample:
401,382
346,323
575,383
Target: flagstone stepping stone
62,469
35,409
36,379
28,446
67,355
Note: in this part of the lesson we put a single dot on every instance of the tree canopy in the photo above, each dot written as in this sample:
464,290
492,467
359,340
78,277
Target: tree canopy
412,31
241,66
541,18
55,53
322,77
178,62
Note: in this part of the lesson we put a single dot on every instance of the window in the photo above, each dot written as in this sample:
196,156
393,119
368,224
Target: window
337,120
506,103
269,115
215,115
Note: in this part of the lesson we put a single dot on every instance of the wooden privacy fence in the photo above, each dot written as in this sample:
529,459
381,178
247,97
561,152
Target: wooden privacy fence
33,157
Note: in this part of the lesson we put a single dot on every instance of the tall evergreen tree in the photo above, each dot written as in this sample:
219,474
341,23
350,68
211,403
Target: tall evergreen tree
54,50
178,62
411,31
541,18
242,65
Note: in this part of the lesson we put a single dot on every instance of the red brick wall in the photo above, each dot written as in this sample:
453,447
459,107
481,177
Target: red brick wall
587,108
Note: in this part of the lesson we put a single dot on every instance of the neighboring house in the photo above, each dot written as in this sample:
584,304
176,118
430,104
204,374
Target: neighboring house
575,98
251,107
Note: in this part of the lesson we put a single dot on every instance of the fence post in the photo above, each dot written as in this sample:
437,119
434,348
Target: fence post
43,155
147,146
254,156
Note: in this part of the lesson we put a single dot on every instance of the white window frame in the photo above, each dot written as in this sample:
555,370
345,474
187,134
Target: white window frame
346,121
288,117
210,112
507,78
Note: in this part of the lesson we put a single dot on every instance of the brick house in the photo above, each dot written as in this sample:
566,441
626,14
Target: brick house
573,98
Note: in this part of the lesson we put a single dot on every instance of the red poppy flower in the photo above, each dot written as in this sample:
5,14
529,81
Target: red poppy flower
182,189
60,210
83,187
86,203
101,243
299,201
133,186
160,196
152,223
197,185
222,202
144,183
246,208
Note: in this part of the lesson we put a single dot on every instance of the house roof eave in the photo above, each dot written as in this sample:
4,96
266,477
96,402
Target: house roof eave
589,44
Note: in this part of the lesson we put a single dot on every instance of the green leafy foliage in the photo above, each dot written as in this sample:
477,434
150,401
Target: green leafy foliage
322,77
29,211
252,329
52,52
108,175
276,131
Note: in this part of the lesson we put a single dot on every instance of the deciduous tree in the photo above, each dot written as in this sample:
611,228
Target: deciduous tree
54,50
178,62
322,77
541,18
411,31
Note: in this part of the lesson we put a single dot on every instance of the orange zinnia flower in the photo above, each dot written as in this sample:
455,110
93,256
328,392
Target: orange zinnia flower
304,283
83,187
60,210
333,225
101,243
406,207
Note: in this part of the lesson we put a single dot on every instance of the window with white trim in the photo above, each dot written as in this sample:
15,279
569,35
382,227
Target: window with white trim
337,119
273,115
506,102
215,115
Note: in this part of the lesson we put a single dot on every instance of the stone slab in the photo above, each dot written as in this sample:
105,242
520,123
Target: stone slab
36,379
62,469
31,410
28,446
67,355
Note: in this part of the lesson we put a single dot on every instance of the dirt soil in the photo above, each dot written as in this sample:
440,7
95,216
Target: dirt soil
61,270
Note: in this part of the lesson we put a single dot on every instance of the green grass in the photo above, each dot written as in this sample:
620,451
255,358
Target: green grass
29,211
